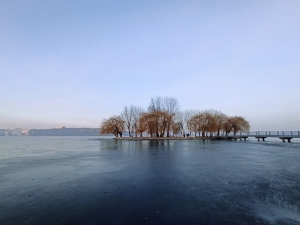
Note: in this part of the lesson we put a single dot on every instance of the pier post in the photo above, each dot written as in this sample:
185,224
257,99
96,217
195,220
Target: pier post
287,138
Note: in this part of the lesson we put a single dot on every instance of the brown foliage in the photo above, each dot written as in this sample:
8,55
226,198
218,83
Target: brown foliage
114,125
236,124
163,117
164,110
154,123
158,123
202,122
213,121
239,124
136,114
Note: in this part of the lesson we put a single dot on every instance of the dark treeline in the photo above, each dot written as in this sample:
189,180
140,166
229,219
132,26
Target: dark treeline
65,132
163,118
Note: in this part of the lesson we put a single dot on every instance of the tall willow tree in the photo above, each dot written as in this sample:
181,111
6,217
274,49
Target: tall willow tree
114,125
236,124
169,107
239,124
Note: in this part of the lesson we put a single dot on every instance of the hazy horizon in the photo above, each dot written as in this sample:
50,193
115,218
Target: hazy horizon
73,63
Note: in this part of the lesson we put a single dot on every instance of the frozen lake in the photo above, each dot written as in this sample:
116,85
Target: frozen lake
87,180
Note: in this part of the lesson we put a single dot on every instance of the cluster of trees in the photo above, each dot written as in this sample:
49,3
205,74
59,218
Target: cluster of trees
164,118
212,122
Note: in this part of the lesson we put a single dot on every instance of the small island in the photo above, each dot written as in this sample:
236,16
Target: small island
163,119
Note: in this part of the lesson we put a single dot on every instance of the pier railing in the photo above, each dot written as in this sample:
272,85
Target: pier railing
283,135
267,133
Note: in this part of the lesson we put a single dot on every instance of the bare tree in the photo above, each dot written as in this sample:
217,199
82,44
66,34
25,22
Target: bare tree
187,116
155,108
136,115
165,110
163,117
179,120
127,116
114,125
171,106
156,104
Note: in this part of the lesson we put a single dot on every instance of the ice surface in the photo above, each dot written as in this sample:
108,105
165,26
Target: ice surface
83,180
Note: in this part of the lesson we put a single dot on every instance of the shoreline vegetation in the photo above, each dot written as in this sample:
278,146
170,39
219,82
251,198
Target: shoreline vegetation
163,119
170,138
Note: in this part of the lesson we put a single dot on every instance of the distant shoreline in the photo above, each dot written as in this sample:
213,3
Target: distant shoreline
170,138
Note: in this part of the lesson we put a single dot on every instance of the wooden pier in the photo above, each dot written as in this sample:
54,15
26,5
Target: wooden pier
262,135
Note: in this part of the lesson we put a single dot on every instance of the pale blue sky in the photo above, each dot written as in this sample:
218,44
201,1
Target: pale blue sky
73,62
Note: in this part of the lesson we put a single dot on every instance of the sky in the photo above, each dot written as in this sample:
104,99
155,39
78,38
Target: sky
72,63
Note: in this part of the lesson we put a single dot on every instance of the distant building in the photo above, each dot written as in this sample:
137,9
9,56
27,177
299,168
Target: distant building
2,132
25,132
10,132
59,127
